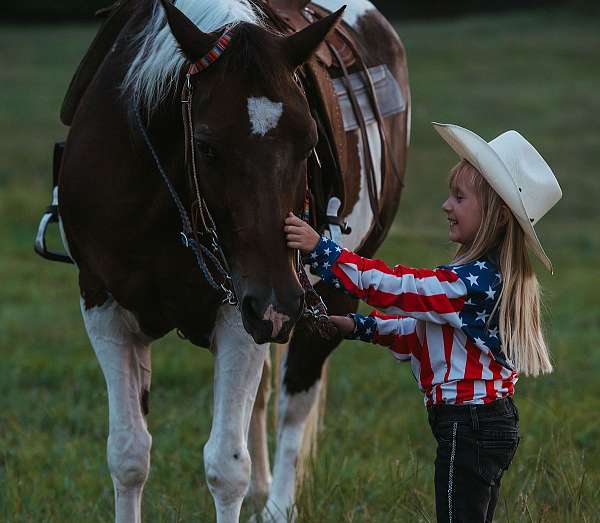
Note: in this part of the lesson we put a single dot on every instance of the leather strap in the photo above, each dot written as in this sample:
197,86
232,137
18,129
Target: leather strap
334,123
367,157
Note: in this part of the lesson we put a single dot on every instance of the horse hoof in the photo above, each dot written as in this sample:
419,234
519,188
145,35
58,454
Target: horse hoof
275,515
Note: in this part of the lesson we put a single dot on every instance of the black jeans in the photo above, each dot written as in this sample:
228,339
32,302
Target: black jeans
476,444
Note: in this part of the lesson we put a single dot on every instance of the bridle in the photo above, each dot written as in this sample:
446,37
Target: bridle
189,235
209,229
314,310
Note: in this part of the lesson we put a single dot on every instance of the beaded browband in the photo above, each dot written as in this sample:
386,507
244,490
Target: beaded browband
213,55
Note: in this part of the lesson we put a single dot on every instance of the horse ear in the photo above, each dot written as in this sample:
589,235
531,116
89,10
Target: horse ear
193,43
301,45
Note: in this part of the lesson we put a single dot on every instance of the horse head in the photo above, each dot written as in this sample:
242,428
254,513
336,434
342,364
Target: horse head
252,135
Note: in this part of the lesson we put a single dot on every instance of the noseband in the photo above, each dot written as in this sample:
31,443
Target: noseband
315,311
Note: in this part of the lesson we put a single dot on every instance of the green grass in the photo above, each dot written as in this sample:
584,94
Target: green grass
536,72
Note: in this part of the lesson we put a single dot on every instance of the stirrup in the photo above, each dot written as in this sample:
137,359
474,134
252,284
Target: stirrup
335,225
51,214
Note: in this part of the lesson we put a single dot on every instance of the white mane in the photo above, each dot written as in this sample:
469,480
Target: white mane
156,65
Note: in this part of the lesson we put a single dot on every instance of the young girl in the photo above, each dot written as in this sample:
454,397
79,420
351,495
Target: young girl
468,328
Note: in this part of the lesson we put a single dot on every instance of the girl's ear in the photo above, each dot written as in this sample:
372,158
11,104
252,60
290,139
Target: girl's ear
504,215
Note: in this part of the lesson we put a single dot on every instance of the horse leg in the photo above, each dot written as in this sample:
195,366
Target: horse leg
260,480
299,394
296,400
238,364
124,356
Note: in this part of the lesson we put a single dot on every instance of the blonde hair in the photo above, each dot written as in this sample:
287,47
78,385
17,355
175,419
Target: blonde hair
519,300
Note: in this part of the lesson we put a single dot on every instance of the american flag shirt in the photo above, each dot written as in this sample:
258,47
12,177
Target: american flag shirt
440,320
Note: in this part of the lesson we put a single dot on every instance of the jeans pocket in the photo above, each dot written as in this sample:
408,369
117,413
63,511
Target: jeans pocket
494,457
444,433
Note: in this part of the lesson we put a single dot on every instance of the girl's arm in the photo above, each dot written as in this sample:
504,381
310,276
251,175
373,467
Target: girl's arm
397,333
435,295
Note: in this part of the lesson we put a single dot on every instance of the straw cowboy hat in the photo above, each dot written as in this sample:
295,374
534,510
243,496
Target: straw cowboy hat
515,170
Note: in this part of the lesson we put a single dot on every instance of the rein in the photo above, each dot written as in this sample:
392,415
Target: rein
188,235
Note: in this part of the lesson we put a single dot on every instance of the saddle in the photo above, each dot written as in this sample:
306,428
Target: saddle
324,78
327,78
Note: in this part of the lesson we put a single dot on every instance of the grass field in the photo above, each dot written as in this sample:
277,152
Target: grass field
537,72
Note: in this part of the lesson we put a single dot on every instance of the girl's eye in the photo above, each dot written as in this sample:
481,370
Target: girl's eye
207,151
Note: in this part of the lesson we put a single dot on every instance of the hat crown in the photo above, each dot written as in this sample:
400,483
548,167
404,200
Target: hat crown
532,176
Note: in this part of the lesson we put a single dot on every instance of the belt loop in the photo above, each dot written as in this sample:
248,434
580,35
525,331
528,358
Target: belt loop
474,418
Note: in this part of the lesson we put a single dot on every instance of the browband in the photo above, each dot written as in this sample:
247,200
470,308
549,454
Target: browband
213,55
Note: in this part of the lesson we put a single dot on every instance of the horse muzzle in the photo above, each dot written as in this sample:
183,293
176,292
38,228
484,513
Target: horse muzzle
271,320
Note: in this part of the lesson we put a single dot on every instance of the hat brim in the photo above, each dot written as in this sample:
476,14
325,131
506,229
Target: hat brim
481,155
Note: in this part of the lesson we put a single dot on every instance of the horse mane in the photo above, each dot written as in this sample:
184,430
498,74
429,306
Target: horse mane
153,72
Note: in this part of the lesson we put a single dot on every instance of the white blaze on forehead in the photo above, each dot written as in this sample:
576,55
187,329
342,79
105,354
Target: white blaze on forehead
354,8
264,114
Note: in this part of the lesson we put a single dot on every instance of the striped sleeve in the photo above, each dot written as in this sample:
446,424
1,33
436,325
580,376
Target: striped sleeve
435,295
398,333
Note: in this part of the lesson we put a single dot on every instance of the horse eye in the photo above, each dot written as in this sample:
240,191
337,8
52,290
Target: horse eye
207,151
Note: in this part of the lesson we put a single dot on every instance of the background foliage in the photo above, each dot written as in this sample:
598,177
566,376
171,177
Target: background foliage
533,71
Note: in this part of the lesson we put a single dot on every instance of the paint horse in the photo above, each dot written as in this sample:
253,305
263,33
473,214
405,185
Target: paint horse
251,132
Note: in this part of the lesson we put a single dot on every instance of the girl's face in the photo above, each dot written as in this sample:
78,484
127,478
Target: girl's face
462,208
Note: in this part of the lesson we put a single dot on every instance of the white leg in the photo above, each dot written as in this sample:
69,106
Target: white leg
238,366
124,356
260,480
294,410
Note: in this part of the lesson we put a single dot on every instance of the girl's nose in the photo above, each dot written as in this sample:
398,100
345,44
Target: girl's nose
446,205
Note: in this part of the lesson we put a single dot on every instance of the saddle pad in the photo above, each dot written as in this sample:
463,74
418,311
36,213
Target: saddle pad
389,96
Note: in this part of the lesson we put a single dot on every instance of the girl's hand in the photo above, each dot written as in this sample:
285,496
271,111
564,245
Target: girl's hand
300,235
345,324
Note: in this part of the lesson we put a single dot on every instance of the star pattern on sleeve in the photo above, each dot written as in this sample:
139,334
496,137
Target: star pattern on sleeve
322,259
365,328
